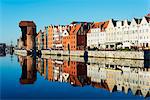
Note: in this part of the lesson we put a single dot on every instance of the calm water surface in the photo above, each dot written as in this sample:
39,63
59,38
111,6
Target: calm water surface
63,77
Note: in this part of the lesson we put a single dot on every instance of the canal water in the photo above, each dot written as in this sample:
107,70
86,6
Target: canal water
53,77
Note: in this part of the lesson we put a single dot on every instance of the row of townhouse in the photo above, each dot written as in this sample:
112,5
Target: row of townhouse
66,37
111,34
114,34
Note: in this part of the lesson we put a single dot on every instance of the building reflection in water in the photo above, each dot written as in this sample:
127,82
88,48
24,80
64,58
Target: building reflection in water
112,75
29,71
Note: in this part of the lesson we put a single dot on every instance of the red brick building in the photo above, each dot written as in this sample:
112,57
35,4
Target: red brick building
50,36
77,35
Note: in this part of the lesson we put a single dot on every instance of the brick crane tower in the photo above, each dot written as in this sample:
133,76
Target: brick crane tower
28,29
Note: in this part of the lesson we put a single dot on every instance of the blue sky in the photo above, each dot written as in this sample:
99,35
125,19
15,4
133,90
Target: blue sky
46,12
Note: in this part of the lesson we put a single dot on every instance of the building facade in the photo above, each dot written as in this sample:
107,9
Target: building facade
96,37
126,34
112,34
41,40
55,36
134,34
75,37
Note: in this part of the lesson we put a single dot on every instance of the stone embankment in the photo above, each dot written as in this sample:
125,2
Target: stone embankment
137,55
99,54
99,61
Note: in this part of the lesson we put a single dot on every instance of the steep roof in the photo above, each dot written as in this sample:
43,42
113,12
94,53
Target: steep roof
97,24
114,22
138,21
75,29
78,22
102,25
105,24
147,18
128,22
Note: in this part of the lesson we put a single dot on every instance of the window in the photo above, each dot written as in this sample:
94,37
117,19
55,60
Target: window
146,44
106,46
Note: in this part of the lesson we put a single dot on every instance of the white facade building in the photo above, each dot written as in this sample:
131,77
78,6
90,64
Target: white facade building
97,35
144,32
96,38
121,34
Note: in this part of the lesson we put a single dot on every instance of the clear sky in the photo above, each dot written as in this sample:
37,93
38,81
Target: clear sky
46,12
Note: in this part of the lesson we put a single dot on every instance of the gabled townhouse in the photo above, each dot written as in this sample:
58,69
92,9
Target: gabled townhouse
144,33
41,40
96,36
75,37
46,37
111,34
125,32
38,40
134,31
50,36
55,36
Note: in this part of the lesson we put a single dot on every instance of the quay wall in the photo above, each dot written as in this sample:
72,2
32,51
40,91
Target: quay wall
99,54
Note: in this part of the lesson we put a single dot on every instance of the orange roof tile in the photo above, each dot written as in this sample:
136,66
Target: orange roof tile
75,29
97,24
105,24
